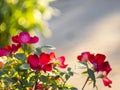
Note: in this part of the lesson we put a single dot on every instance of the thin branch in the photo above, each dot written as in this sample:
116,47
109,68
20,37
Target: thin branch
85,83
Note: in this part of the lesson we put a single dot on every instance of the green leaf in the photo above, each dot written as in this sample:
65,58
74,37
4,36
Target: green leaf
20,56
24,66
43,78
68,69
15,79
38,51
9,80
18,87
73,88
84,72
62,73
84,63
48,47
67,76
71,73
92,76
24,82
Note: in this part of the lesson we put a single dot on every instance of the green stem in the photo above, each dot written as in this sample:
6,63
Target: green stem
21,83
36,80
35,85
24,47
85,83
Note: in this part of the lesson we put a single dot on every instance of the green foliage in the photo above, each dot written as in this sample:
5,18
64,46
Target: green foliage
48,47
23,15
68,69
20,56
38,51
84,63
24,67
18,75
84,72
43,78
92,76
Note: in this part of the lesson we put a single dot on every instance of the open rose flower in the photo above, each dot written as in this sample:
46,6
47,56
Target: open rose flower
25,38
59,61
40,63
99,63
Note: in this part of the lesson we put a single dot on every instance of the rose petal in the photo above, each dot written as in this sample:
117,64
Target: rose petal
15,48
16,39
44,58
100,58
24,37
47,67
33,60
4,52
84,57
105,67
52,55
107,82
34,39
61,61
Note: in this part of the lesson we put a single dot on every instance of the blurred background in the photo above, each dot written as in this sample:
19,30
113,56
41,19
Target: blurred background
79,25
24,15
87,25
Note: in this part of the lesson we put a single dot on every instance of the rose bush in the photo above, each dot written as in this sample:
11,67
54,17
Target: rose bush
24,67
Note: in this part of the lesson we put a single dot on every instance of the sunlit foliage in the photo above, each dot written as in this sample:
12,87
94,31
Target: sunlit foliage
23,15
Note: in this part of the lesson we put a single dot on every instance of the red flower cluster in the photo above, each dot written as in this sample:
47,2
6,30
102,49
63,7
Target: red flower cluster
45,61
22,38
99,65
8,50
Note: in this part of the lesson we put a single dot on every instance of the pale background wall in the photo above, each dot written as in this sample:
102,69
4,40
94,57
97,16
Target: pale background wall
88,25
